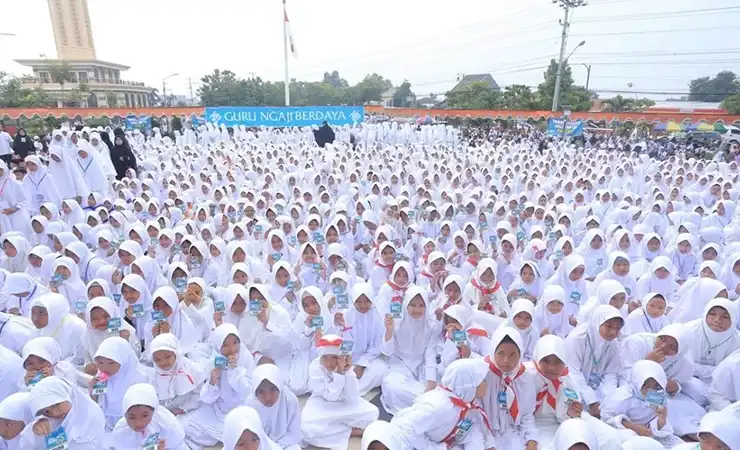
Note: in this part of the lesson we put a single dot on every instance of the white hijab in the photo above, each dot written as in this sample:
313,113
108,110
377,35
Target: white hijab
241,419
163,422
64,327
184,377
16,407
282,420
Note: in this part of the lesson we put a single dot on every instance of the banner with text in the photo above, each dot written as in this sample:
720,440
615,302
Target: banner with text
556,127
298,116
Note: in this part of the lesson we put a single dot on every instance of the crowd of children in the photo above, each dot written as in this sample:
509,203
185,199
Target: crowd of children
495,297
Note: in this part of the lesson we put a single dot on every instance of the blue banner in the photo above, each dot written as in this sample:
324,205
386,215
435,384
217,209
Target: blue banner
298,116
568,128
131,121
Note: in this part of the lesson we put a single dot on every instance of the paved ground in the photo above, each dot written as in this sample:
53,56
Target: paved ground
354,444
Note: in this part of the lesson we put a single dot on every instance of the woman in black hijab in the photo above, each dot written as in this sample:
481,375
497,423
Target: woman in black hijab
23,144
122,157
106,139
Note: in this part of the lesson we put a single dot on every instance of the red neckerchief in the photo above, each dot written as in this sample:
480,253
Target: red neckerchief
485,290
388,267
514,410
425,257
464,408
473,262
425,273
396,287
545,393
179,372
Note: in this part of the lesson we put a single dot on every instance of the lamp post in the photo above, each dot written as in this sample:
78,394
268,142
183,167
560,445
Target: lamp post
566,5
164,88
566,115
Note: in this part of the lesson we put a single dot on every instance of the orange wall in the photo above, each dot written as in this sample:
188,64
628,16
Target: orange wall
674,115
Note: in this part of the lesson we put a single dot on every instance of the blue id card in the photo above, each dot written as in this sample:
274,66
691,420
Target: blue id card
317,322
276,256
336,289
575,297
571,396
291,286
346,347
151,442
80,306
220,362
57,440
254,307
594,380
114,325
158,316
501,400
117,299
492,238
138,310
396,309
459,337
655,399
343,301
219,307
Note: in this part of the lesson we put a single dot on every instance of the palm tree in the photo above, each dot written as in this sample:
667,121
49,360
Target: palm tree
619,104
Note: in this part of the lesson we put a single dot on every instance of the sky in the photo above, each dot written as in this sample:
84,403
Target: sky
656,45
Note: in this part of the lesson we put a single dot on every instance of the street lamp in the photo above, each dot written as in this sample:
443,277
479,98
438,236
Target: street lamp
559,78
567,5
588,74
164,87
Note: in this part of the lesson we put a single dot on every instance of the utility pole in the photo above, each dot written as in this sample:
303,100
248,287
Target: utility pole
566,5
588,74
192,98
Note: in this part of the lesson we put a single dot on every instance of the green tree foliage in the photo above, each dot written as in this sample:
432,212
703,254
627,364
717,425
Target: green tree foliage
112,99
732,104
403,97
519,96
224,88
477,95
706,89
14,95
620,104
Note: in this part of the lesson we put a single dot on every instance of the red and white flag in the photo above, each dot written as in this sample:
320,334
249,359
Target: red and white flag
289,33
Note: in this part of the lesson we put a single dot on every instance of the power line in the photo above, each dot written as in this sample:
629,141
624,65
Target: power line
674,30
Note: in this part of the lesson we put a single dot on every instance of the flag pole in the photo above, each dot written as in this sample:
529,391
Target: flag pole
285,55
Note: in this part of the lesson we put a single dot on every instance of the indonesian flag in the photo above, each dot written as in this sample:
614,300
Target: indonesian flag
289,33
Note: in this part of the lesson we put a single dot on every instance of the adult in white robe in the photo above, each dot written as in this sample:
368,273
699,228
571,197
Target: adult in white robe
14,215
39,186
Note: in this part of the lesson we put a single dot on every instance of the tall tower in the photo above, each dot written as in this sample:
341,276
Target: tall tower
70,20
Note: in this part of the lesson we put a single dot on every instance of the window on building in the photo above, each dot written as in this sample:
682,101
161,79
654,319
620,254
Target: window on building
73,77
44,77
83,77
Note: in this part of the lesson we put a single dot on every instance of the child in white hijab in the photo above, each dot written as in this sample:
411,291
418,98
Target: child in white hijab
118,369
177,378
136,305
641,405
365,328
594,355
448,415
42,358
381,435
409,344
103,321
714,337
660,279
550,315
485,292
145,423
651,316
335,411
167,317
15,331
63,413
227,387
243,429
15,413
50,315
277,407
523,319
511,398
576,434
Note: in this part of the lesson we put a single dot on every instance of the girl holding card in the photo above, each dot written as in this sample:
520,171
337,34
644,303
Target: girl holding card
227,387
103,321
409,344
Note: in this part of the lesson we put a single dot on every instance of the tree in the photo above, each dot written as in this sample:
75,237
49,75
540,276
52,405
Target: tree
14,95
476,95
370,89
518,96
222,89
715,89
732,104
112,99
335,80
403,96
620,104
575,97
